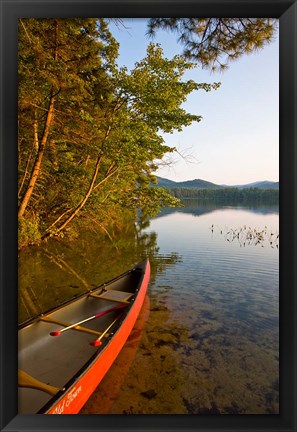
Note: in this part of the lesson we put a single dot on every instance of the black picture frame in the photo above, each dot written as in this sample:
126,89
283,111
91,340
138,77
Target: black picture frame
286,11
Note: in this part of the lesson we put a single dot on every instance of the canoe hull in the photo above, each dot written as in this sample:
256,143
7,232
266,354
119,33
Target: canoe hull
81,390
71,366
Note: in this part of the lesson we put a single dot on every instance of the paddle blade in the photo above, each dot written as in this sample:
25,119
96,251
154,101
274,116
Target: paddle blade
96,343
55,333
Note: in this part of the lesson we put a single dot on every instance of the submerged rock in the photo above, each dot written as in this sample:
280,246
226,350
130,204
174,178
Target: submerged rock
149,394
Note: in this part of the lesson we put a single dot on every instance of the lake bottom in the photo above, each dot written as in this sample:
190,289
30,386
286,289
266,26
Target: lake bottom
210,344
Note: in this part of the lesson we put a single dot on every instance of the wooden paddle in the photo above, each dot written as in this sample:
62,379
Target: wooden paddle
98,315
61,323
98,342
26,380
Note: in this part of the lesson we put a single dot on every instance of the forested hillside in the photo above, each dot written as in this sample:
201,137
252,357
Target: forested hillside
203,184
225,195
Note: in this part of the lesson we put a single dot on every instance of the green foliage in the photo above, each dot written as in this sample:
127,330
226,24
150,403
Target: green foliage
215,42
70,58
159,196
155,91
105,133
28,230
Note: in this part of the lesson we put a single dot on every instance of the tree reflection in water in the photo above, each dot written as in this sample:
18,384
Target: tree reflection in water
60,269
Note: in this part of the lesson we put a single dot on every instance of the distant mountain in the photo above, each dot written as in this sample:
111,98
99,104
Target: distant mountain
203,184
196,184
165,183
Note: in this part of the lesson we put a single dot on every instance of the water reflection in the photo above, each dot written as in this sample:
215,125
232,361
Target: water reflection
59,270
201,207
210,344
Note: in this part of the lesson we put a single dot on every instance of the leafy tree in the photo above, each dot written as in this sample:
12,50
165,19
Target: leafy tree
61,63
146,102
215,42
89,133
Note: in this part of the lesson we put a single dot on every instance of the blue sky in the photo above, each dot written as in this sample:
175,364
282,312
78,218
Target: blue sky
237,140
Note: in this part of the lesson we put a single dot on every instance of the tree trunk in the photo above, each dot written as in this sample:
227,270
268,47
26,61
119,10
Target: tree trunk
35,128
41,147
37,164
84,200
88,193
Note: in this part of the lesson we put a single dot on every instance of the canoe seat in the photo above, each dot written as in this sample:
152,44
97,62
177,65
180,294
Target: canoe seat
114,295
78,327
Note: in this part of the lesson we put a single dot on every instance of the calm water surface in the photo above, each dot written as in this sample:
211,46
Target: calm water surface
210,342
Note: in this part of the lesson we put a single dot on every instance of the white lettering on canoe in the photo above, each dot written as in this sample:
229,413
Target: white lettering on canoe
66,402
72,395
59,408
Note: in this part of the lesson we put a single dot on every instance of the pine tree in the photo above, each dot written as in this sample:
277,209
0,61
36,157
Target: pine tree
215,42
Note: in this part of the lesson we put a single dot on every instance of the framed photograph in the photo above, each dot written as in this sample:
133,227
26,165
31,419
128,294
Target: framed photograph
204,292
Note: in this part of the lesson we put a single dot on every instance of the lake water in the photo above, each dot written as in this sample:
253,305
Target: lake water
210,340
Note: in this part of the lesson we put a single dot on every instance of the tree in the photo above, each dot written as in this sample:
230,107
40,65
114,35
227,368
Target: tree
146,101
61,63
89,133
215,42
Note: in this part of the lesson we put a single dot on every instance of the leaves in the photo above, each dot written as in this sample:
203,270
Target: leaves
105,133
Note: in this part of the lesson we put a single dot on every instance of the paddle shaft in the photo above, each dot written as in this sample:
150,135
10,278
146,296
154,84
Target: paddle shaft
78,328
98,340
98,315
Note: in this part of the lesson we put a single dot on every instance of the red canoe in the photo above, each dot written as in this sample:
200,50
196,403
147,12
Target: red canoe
65,353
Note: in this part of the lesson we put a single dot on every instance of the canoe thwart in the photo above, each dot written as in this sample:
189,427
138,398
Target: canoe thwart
114,295
78,327
26,380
